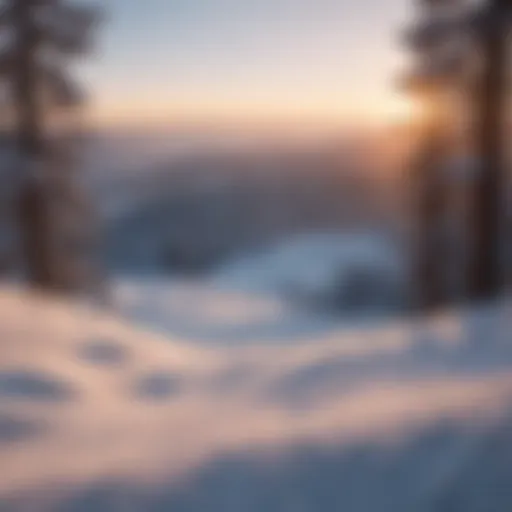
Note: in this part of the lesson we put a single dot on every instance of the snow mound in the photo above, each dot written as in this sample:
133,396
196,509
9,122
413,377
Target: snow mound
352,271
98,415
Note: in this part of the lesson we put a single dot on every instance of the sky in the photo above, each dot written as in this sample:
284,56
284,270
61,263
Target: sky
301,61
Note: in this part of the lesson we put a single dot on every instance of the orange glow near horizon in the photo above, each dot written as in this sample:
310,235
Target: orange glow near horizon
316,63
390,109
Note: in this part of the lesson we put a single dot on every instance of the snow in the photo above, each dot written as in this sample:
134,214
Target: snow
98,414
206,313
318,267
301,287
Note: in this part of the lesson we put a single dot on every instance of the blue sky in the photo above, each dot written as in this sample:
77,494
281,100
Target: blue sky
172,60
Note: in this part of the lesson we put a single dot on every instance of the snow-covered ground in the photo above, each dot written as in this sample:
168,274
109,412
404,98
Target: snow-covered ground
330,270
300,287
99,415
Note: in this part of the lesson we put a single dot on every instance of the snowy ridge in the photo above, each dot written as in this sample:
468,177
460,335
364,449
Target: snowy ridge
97,415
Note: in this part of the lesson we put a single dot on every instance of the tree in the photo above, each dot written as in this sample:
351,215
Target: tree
440,59
487,24
486,277
39,37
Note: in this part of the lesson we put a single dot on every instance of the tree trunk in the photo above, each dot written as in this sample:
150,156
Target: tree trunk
486,277
430,201
34,215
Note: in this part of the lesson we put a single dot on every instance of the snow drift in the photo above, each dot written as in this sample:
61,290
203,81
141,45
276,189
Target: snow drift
98,415
360,272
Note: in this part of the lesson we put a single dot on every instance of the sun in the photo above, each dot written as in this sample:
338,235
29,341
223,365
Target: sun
401,109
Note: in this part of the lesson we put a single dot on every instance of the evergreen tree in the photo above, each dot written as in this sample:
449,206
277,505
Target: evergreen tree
39,38
441,57
486,276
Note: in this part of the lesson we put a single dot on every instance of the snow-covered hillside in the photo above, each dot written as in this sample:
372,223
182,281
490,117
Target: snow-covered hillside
98,415
360,271
292,290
